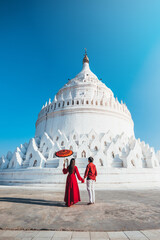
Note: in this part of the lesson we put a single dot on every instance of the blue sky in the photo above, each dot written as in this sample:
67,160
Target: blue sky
42,45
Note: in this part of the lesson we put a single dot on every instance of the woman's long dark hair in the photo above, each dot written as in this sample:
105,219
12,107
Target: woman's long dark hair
71,166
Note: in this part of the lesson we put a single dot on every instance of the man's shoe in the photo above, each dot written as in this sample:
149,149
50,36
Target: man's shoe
89,203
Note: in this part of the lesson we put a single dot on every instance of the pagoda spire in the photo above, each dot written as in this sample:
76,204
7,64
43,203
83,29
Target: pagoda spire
85,59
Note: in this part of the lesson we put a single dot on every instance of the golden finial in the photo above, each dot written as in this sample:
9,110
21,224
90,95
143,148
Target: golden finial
85,59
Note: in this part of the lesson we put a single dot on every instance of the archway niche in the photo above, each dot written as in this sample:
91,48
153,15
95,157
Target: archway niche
35,163
101,162
83,155
132,162
96,148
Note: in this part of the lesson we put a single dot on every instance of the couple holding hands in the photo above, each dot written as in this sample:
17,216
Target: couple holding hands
72,194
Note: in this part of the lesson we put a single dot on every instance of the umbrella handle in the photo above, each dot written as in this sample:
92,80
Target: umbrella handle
66,161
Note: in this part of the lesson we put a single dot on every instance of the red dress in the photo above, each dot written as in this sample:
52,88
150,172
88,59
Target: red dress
72,194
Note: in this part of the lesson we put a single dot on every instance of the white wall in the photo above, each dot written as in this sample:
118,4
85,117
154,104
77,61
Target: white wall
84,121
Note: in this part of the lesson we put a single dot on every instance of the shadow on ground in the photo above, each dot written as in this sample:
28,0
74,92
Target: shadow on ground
33,201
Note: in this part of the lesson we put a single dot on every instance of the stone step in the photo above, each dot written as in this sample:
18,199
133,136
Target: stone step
25,164
117,165
51,165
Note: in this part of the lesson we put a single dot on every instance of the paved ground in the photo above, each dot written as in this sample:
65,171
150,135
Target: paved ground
51,235
34,209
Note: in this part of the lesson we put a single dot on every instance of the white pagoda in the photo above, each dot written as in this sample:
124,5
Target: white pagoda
85,117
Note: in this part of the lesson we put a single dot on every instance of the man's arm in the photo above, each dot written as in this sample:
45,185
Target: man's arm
86,172
95,171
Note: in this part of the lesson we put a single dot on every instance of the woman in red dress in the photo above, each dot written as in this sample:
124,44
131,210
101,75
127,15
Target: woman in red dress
72,194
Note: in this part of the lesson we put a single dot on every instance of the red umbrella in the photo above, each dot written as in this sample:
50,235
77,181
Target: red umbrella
64,153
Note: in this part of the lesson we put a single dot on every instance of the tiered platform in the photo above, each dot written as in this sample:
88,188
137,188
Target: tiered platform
105,176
